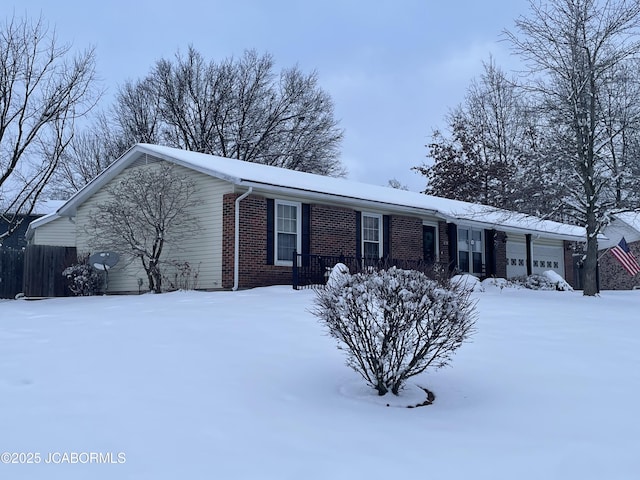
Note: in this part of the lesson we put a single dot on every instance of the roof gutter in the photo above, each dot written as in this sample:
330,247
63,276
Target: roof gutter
337,198
519,230
236,249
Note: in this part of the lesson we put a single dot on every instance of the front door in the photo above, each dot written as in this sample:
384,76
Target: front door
470,250
429,243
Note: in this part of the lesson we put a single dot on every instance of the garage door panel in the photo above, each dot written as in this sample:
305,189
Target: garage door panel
544,257
516,259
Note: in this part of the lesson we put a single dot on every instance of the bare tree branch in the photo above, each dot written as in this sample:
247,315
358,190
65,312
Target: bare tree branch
43,90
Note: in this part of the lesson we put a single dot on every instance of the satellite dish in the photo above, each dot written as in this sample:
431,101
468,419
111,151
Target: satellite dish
103,260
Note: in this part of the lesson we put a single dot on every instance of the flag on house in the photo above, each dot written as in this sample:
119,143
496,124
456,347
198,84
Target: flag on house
626,258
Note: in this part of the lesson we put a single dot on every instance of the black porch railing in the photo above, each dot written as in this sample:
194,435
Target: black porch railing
313,270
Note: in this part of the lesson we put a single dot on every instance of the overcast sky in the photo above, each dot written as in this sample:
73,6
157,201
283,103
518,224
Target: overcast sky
393,68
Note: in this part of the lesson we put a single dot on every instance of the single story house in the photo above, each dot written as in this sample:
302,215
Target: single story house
17,240
612,275
253,217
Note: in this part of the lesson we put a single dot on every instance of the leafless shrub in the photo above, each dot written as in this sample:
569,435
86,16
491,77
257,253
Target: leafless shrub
394,324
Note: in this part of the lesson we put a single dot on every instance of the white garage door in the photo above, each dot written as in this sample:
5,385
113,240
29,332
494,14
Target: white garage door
516,258
546,256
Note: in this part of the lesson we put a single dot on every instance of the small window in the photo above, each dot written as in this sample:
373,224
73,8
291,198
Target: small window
521,262
556,265
287,235
371,236
535,263
514,262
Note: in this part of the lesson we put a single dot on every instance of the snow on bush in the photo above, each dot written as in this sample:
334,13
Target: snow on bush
557,280
549,280
83,279
394,324
467,282
494,283
339,274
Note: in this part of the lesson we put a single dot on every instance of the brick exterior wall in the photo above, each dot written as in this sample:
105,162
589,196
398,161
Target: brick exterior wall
406,238
333,231
253,268
228,234
568,263
501,254
443,242
613,276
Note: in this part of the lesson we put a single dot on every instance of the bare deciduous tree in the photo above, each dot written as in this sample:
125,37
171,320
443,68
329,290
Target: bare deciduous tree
43,90
571,47
147,211
489,149
238,108
89,152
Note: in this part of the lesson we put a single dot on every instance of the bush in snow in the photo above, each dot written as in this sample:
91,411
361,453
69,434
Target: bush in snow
557,280
549,280
467,282
83,279
394,324
185,276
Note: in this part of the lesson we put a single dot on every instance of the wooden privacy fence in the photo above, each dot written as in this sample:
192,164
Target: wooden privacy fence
11,272
43,266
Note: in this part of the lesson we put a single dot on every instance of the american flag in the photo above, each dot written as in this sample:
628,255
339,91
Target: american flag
625,257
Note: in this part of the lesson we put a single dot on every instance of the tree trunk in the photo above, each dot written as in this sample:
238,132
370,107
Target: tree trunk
590,277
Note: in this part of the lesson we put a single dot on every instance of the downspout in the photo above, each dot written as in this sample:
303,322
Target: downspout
236,249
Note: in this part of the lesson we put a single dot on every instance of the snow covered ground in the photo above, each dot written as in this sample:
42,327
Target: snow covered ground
247,385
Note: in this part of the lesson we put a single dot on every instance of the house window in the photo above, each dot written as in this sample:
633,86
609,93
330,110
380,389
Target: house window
470,250
288,236
371,236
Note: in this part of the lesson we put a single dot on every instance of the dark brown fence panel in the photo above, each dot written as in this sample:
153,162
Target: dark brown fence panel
43,266
11,272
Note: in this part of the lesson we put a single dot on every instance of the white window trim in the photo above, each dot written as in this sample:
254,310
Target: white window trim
470,249
298,205
379,216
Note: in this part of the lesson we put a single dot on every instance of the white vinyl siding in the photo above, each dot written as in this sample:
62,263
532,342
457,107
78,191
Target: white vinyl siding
288,235
60,232
202,250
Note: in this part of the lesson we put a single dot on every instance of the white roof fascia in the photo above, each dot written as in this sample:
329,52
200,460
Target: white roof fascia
519,230
352,201
339,199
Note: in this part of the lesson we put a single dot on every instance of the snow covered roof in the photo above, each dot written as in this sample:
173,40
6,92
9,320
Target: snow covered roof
630,218
46,207
307,185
